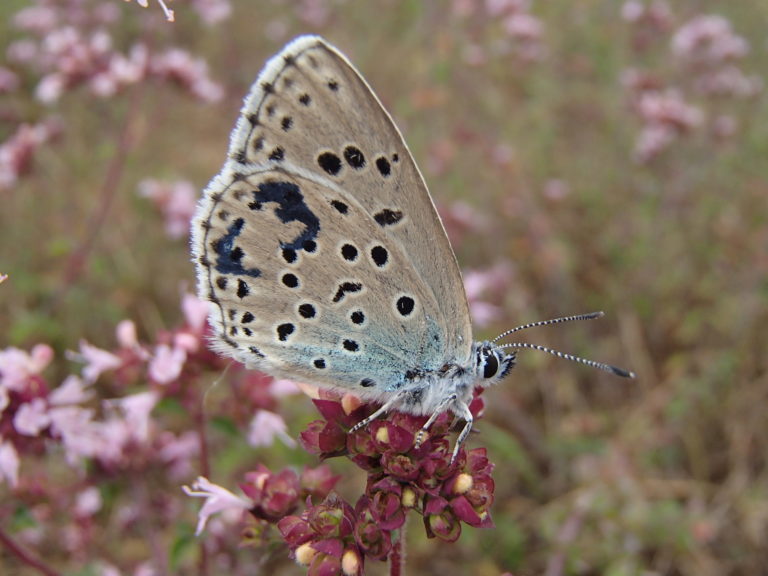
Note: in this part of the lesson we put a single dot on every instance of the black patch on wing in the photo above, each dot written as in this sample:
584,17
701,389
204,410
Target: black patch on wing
228,256
291,209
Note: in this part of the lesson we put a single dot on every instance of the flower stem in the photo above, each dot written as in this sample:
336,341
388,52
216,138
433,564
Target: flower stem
24,556
397,555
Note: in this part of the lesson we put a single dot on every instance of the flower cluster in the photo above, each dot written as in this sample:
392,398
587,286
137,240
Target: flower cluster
64,45
711,49
35,413
708,50
504,28
70,48
332,536
401,477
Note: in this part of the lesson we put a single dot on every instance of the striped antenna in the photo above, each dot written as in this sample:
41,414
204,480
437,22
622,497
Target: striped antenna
592,363
589,316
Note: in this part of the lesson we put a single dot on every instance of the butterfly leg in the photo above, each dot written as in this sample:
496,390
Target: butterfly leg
462,410
396,399
442,407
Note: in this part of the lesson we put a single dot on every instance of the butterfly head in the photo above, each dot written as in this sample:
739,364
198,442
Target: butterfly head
491,363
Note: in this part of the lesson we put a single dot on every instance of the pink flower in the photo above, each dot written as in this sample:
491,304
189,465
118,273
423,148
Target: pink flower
88,502
96,361
212,11
483,284
195,312
708,38
126,335
9,463
166,364
179,66
217,499
32,418
265,427
72,391
175,200
178,452
279,388
18,366
80,435
136,410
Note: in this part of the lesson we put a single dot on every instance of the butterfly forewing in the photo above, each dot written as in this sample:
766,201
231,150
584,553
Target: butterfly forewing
319,243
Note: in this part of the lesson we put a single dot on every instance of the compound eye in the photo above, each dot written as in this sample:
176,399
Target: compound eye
491,366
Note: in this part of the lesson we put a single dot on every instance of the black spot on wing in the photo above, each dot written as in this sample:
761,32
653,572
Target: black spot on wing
346,288
388,217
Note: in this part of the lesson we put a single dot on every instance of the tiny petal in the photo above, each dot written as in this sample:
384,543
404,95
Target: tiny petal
126,334
265,427
9,463
195,311
217,500
167,363
72,391
97,361
32,418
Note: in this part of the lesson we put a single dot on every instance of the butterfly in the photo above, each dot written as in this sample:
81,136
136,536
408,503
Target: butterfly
322,254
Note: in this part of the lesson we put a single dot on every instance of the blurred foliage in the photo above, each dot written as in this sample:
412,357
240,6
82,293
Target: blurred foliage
662,475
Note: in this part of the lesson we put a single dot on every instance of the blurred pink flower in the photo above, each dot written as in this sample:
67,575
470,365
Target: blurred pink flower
668,108
313,12
556,189
186,341
652,141
32,417
178,453
481,285
499,7
217,499
126,334
18,366
17,152
80,435
9,463
265,427
729,81
195,312
192,74
136,410
708,39
166,364
88,502
96,360
72,391
657,13
279,388
175,200
212,11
